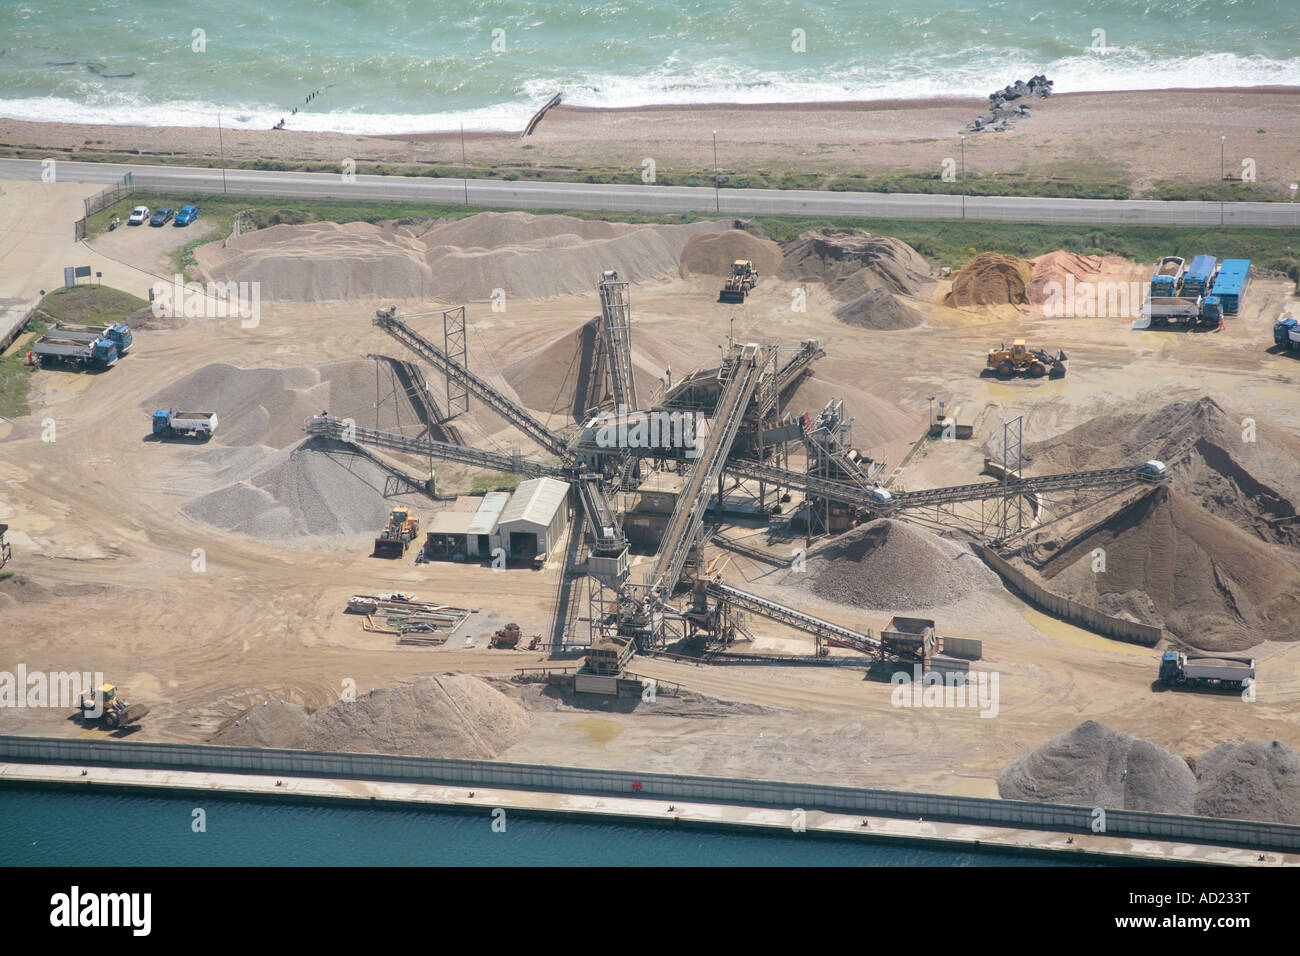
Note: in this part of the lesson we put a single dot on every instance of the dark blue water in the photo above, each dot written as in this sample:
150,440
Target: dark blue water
63,828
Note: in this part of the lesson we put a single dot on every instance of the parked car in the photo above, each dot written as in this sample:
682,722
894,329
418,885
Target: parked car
186,215
162,217
139,216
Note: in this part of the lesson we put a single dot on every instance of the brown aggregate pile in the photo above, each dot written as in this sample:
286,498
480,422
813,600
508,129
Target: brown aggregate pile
1170,563
712,254
1094,766
991,278
1058,266
1252,484
445,716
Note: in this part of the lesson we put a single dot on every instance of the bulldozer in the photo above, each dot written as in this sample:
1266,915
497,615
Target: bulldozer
401,531
743,278
104,706
508,636
1020,359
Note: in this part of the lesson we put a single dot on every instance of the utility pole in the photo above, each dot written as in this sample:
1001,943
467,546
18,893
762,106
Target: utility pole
717,197
222,146
963,174
464,166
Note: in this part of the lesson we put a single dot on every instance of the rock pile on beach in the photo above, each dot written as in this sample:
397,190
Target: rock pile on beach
451,261
449,715
892,565
1009,104
991,278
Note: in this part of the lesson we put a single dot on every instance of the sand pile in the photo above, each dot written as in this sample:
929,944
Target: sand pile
267,406
851,262
713,254
1253,484
894,565
319,487
1170,563
880,310
991,278
450,261
1253,780
1093,766
1059,266
446,716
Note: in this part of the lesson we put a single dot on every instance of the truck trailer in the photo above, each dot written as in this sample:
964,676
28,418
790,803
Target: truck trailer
1230,284
1167,280
1199,277
53,349
1229,672
119,333
1183,311
170,424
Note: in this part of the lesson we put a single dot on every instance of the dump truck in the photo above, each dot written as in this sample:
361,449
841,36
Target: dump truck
1178,669
401,531
508,636
1199,277
119,333
1230,284
1024,360
1163,311
104,706
1286,333
54,349
743,278
173,424
5,552
1167,280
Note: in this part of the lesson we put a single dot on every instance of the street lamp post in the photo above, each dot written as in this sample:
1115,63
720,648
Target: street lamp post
222,146
1222,140
717,196
930,424
963,175
464,166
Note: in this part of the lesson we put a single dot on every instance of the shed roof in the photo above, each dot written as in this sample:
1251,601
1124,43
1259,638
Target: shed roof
535,501
489,512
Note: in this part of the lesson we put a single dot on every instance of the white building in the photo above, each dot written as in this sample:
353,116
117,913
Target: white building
532,524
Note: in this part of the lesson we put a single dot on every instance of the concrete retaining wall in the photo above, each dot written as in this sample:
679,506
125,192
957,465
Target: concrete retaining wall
1072,611
470,773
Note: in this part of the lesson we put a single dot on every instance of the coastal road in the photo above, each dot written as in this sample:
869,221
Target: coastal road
667,199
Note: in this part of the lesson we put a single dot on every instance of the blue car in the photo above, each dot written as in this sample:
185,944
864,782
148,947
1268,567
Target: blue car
187,215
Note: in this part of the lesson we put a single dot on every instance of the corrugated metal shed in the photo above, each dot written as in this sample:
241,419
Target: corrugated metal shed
535,502
451,522
489,512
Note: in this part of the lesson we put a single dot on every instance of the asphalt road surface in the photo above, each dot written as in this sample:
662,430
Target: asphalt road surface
665,199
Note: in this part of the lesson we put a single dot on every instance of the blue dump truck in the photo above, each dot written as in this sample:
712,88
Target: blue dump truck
1167,281
173,424
118,333
1199,277
1183,311
53,348
1286,333
1230,284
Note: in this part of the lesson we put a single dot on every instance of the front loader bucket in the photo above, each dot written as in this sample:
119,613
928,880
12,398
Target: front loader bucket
731,295
389,548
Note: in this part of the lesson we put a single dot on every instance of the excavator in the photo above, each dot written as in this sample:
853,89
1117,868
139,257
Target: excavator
743,278
1020,359
401,531
105,706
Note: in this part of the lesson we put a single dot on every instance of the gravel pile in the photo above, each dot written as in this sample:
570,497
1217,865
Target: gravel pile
450,261
713,254
445,716
1253,780
1093,766
852,262
320,487
1254,485
880,310
893,565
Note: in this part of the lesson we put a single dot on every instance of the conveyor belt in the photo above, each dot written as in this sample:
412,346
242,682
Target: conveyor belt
863,641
